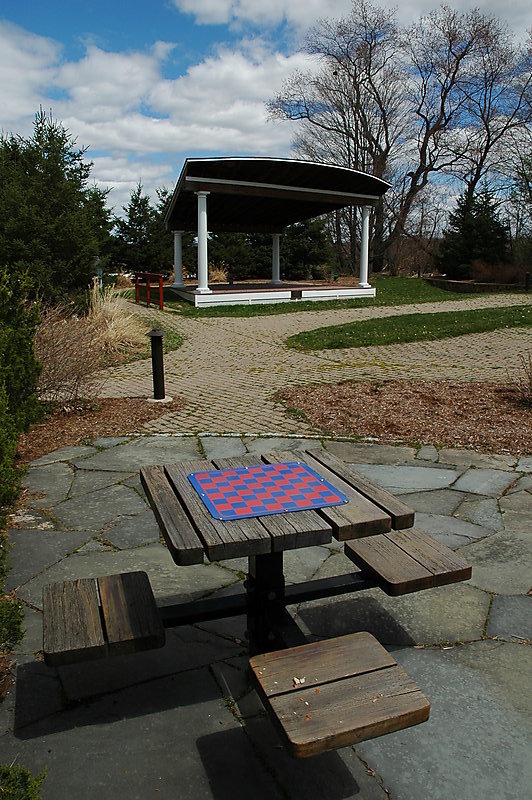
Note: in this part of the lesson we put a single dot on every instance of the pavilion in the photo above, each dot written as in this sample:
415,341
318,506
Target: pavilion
252,195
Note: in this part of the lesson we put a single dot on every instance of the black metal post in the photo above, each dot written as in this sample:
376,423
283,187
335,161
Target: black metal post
156,337
527,281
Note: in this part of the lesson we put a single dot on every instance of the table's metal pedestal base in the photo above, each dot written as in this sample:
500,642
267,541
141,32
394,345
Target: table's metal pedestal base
269,625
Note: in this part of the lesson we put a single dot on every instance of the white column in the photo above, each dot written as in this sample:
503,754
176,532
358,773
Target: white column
364,248
178,260
276,268
203,263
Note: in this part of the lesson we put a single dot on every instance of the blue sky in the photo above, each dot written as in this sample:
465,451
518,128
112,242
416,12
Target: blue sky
146,83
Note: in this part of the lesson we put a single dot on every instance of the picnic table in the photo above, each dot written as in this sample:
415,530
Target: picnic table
320,695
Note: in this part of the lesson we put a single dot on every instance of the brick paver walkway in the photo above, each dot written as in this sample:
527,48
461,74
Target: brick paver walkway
228,369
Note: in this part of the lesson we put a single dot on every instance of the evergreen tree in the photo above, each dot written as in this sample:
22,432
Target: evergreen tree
305,247
52,224
475,233
141,243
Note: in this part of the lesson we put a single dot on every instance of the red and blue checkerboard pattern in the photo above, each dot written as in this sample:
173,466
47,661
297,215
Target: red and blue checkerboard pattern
264,489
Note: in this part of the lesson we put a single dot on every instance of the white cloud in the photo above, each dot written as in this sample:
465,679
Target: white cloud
304,13
137,122
27,70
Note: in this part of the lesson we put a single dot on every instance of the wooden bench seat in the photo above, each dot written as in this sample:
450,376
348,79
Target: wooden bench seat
330,694
407,561
94,617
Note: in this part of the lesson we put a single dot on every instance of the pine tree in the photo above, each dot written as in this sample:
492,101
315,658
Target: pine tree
475,233
52,223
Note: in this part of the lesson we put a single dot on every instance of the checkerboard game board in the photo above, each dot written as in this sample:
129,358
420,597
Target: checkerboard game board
264,489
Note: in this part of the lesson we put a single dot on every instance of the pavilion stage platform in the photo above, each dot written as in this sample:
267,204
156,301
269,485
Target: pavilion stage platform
254,293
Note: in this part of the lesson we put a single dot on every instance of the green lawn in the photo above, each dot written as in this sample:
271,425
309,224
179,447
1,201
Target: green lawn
412,328
390,292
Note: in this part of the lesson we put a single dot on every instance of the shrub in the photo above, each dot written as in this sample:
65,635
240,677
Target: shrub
74,347
19,371
70,355
17,783
523,384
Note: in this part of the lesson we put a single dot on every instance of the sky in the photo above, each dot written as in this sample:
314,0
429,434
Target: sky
145,84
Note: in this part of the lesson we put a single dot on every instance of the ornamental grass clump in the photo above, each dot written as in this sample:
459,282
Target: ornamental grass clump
117,330
523,384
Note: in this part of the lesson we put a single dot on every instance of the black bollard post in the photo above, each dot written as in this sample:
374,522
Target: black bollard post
527,281
156,337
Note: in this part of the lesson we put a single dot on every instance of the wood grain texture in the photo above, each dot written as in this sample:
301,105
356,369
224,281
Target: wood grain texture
360,517
131,620
335,693
182,540
222,539
318,662
407,561
402,516
445,565
72,626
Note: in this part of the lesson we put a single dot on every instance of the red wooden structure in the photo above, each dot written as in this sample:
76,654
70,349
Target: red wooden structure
148,279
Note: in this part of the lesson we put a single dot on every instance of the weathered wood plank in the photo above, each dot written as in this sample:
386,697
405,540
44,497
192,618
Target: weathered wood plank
222,539
350,711
336,693
72,626
408,561
444,564
132,622
291,530
360,517
397,572
402,516
317,662
182,540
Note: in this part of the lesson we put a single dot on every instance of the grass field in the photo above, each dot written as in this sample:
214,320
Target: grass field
390,292
412,328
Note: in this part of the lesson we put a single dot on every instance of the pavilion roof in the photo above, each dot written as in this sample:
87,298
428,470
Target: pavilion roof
266,194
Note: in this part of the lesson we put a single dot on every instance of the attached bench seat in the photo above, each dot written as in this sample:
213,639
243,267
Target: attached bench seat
330,694
94,617
407,561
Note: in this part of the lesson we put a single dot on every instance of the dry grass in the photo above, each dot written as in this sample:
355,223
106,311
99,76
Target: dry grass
73,348
217,275
117,330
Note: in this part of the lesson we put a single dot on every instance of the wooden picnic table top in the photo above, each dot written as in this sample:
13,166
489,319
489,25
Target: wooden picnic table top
191,532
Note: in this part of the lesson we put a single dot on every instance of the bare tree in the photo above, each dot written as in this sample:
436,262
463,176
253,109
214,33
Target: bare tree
438,98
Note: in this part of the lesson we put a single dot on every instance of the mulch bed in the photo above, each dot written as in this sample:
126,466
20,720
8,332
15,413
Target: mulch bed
82,423
482,416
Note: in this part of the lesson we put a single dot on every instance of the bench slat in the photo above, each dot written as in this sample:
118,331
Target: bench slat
182,540
93,617
132,622
332,659
350,711
407,561
402,516
72,625
359,517
352,690
446,566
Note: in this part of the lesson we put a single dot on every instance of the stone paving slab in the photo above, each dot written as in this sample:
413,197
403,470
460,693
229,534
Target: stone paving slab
478,739
511,618
184,718
485,481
